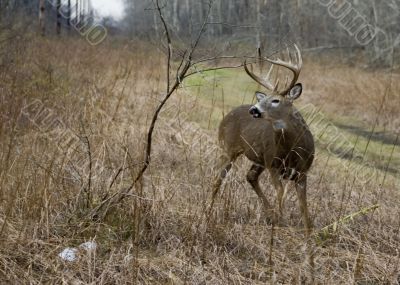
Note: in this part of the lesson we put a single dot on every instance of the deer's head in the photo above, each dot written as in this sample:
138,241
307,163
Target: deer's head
275,106
279,103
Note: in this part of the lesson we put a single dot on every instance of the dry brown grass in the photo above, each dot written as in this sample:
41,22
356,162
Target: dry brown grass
105,95
363,95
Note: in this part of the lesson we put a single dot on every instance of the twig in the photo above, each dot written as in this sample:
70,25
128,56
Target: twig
90,172
167,34
89,153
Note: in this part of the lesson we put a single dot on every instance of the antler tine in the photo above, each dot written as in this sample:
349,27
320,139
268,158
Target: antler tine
276,85
294,67
269,72
300,58
290,55
286,81
276,80
266,83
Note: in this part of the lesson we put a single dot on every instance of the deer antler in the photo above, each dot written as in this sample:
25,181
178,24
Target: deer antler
295,67
266,83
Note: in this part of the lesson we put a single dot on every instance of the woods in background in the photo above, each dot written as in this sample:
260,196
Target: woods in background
348,26
51,13
334,24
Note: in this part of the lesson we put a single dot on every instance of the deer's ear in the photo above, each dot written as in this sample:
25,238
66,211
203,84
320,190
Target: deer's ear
295,92
260,96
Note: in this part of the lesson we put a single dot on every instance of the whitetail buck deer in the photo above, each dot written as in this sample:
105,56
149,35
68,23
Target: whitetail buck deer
273,135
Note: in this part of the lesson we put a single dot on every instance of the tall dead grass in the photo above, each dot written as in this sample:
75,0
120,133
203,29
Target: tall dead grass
369,96
105,96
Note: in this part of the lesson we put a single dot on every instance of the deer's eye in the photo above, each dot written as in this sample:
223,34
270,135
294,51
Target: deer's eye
275,103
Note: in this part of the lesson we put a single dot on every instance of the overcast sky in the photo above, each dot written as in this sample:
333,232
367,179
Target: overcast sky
113,8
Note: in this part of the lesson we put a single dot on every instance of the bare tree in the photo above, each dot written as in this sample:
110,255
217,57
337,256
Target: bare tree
42,16
259,39
175,15
77,11
58,26
82,11
69,13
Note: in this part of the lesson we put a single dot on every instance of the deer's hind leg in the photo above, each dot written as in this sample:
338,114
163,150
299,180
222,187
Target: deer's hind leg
301,189
252,177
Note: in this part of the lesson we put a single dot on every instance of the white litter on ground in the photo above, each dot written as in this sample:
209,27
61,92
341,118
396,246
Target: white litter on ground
71,253
89,246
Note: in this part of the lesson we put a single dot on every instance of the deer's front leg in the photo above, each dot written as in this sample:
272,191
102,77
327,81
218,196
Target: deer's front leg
252,178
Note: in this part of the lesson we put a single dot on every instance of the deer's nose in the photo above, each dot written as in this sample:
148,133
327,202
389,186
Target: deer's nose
255,112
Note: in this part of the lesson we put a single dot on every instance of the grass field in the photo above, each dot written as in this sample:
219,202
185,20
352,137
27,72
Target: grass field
52,175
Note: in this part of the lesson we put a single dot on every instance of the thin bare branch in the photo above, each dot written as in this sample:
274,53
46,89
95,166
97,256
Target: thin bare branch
169,47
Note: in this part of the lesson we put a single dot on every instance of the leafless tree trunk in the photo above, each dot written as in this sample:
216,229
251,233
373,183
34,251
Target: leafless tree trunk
259,35
155,19
76,11
69,13
175,15
82,11
200,11
189,16
58,26
42,15
91,11
231,8
259,28
219,13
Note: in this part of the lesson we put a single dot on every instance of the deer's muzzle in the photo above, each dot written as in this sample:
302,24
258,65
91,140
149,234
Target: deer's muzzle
255,112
